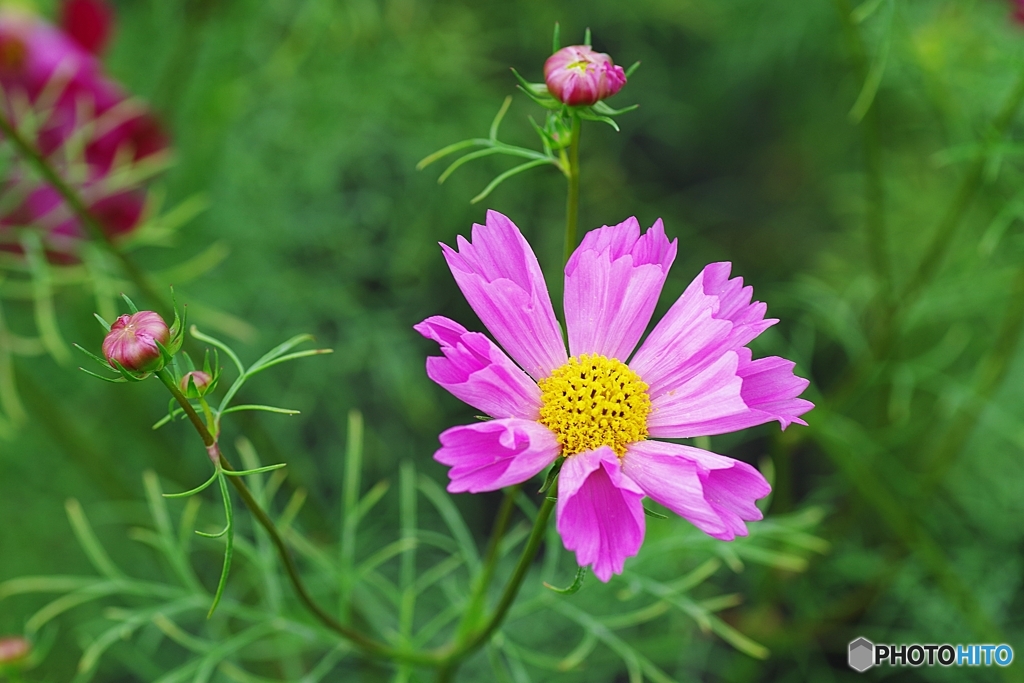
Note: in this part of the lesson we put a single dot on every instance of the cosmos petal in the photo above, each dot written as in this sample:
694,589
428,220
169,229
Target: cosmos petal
713,316
477,372
491,455
501,279
612,284
715,493
600,516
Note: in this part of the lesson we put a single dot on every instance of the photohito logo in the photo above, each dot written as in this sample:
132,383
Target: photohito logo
863,654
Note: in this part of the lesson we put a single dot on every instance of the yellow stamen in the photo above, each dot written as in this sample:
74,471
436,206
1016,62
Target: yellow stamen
594,401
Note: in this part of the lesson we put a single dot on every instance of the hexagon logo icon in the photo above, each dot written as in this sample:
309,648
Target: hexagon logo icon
862,655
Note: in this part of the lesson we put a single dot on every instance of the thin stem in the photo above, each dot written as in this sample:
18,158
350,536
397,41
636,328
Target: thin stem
368,645
74,201
451,663
479,596
572,205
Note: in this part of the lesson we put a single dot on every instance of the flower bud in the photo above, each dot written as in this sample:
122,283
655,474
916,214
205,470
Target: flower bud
132,341
200,379
13,649
576,75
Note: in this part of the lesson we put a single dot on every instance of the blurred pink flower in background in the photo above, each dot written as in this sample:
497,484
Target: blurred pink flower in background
52,86
692,376
13,649
576,75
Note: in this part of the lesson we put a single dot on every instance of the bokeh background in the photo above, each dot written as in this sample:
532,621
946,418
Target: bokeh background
826,150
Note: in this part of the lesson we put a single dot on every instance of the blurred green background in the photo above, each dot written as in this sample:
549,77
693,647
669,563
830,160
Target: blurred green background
300,123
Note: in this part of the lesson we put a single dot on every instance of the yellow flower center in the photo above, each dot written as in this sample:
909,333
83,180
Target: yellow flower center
580,65
594,401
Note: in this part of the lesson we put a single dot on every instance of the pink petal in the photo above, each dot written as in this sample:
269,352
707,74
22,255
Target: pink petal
491,455
476,371
712,317
768,391
600,516
612,284
499,275
715,493
715,393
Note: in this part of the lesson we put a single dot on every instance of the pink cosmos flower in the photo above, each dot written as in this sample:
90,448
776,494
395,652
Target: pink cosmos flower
576,75
597,403
57,71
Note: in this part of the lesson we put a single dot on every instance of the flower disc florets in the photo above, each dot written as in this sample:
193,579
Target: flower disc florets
594,401
133,342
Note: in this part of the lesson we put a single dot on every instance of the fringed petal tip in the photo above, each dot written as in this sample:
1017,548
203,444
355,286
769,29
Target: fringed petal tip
714,493
492,455
600,516
477,372
612,283
501,279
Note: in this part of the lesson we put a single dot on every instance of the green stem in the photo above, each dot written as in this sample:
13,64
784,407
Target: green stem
479,597
74,201
367,645
449,665
572,205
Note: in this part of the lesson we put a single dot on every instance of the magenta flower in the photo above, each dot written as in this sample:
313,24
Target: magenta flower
597,404
576,75
89,22
132,341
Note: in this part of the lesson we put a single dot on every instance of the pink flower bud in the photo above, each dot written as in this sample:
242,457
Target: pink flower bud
577,75
199,378
132,341
13,649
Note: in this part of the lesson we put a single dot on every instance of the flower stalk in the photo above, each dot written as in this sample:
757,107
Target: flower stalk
448,667
572,205
368,645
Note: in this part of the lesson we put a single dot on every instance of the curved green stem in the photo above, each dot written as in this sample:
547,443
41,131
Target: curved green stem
78,207
366,644
572,204
450,663
478,599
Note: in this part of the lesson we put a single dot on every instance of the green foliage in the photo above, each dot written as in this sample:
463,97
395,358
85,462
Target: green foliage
409,592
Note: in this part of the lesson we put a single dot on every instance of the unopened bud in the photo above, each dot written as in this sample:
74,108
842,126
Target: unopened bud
132,341
200,379
13,649
578,76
